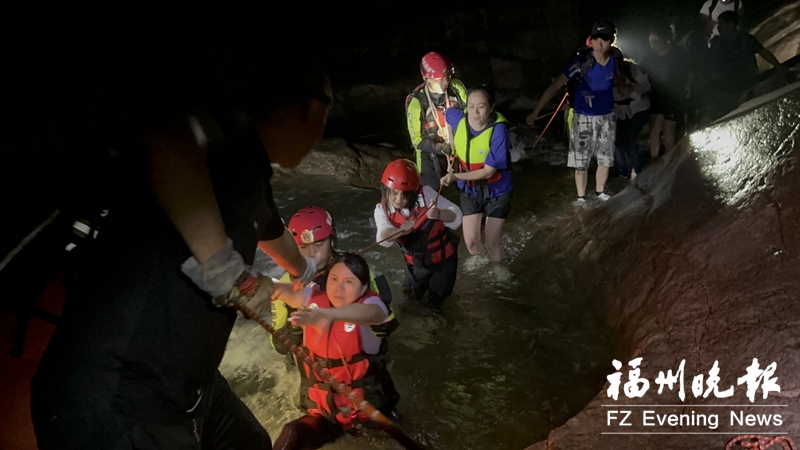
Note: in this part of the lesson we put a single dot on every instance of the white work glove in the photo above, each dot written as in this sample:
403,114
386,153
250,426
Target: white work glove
309,274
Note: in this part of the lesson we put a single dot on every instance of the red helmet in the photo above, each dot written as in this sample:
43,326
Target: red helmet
434,65
401,175
311,224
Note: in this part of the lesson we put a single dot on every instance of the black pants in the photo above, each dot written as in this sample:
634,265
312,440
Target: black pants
308,433
432,170
437,279
220,421
626,157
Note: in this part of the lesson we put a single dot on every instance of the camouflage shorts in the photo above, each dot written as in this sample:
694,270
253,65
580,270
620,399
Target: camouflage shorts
592,136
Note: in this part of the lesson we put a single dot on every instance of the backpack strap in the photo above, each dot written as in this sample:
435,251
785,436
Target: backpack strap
712,6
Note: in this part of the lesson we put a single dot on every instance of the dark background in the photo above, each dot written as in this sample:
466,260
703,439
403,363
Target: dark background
70,83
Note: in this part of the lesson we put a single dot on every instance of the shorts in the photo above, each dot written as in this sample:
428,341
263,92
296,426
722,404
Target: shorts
592,136
498,207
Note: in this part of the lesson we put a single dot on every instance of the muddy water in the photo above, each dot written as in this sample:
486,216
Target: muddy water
518,349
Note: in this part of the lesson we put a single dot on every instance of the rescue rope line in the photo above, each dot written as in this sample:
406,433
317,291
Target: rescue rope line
761,442
445,127
373,413
551,120
540,117
401,232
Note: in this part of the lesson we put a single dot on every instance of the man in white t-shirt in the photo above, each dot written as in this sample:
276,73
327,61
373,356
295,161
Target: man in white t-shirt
713,8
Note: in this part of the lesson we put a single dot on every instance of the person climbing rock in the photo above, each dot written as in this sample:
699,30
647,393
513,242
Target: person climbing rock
733,66
429,246
593,125
425,113
668,71
314,231
338,333
632,108
482,146
133,362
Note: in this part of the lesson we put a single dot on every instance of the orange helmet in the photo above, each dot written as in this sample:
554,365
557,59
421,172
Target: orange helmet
401,175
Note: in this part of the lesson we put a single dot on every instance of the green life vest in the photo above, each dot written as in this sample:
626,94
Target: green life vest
473,150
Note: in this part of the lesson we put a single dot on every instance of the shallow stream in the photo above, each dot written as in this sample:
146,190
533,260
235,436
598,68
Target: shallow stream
517,350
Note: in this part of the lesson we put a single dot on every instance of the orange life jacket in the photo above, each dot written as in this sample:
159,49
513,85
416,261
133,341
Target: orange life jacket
339,350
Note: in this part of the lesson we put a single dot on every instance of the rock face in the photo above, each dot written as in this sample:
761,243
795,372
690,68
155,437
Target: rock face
508,47
358,165
702,264
780,34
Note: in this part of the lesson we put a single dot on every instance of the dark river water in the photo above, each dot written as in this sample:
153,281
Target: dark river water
517,350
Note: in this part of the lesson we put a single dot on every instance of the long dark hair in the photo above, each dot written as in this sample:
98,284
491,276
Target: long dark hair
356,264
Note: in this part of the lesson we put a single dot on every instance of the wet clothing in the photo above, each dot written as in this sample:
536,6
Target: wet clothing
354,344
594,95
592,136
281,313
423,119
483,203
425,249
139,344
668,76
474,149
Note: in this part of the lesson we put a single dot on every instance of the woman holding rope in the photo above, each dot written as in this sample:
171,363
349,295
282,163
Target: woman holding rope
482,145
419,220
337,333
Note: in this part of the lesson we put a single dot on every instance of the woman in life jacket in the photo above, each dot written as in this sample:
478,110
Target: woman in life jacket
314,231
337,333
429,246
482,145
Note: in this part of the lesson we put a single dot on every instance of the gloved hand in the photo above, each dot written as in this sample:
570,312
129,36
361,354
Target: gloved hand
307,276
444,148
256,291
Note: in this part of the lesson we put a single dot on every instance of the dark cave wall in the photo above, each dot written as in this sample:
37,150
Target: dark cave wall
515,48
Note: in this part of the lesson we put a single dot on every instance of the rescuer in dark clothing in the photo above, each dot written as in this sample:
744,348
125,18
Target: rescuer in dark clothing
133,363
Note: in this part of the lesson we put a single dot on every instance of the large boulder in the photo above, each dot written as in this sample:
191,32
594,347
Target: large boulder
698,260
358,165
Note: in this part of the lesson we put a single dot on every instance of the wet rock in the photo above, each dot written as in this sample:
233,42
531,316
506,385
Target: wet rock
358,165
699,260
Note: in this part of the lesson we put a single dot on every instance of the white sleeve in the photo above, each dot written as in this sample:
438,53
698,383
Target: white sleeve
377,301
444,203
307,291
383,223
706,6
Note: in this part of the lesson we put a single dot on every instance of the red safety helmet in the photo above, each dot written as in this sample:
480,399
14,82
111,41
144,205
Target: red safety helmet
311,224
401,175
434,65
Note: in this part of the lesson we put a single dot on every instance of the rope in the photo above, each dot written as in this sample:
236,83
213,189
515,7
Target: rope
540,117
401,232
373,413
761,442
551,120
